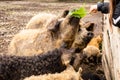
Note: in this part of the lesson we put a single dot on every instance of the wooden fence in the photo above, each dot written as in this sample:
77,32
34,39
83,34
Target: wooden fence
111,50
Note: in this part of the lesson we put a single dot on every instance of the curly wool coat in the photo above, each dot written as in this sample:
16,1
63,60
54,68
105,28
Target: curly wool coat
17,68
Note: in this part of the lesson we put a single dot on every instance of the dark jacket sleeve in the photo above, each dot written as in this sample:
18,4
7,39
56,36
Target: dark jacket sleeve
103,7
116,15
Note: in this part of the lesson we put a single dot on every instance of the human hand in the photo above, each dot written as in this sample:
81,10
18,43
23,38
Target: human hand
93,9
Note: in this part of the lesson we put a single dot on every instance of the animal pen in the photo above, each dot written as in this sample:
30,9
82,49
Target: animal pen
111,39
111,47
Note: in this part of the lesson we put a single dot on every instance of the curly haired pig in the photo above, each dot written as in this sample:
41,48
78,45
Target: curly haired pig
68,74
92,50
42,20
19,67
83,36
35,41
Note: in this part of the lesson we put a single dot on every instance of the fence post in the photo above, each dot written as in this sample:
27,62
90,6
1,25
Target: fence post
111,50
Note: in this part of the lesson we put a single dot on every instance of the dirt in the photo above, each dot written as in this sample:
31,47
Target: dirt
14,16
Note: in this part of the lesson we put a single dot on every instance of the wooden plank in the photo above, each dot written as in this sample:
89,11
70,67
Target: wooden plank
111,50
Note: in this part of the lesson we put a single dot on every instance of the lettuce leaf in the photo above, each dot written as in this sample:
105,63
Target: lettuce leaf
80,13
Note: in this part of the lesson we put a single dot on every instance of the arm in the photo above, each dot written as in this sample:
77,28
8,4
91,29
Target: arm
101,6
104,8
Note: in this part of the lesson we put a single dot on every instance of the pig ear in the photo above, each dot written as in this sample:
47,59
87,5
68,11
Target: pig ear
55,28
65,13
90,27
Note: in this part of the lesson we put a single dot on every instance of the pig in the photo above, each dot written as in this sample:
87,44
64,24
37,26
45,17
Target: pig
92,49
42,20
18,67
83,36
68,74
45,19
31,42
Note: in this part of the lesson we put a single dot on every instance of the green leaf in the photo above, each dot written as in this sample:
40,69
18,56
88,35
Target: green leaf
80,13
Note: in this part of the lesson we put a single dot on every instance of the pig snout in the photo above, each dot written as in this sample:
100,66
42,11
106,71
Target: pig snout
89,37
90,34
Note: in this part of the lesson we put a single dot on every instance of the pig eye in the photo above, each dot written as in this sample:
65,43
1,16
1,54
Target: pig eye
91,27
79,28
57,25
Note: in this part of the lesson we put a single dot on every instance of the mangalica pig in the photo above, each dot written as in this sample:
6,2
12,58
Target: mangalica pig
68,74
92,50
42,20
93,47
83,36
36,41
18,67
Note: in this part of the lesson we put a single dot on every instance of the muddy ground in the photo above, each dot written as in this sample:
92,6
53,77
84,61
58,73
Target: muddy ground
14,16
